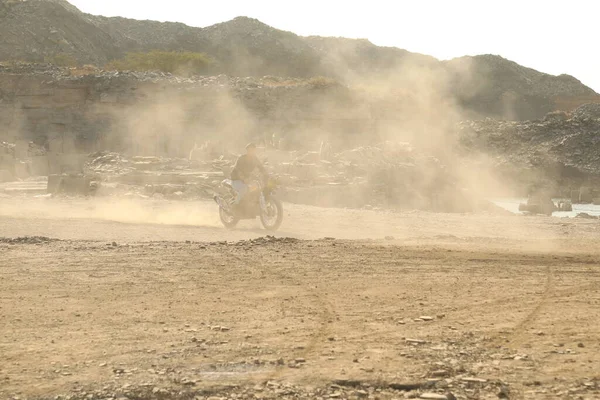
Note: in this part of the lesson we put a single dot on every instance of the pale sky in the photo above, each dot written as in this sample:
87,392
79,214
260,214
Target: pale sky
551,36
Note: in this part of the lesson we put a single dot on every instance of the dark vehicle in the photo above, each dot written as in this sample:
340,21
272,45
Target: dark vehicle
537,204
258,202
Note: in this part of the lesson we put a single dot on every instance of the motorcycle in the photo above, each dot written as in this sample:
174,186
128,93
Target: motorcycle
259,201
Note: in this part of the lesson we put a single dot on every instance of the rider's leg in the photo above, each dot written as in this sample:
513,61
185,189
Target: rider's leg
240,190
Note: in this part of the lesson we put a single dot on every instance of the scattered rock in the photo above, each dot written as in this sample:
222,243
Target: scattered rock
433,396
415,341
439,373
504,392
474,380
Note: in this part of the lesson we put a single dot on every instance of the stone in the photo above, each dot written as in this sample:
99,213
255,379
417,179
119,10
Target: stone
474,380
433,396
415,341
504,392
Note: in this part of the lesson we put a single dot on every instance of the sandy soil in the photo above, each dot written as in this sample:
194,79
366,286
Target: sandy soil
154,300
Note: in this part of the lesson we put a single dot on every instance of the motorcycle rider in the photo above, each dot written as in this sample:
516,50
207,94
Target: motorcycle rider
243,169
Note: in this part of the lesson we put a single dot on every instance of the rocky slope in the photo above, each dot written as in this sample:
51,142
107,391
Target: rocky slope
560,150
500,88
36,30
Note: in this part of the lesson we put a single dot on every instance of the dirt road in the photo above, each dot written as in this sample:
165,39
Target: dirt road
130,220
140,300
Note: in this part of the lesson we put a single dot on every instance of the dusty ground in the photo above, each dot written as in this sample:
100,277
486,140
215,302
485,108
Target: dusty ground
140,300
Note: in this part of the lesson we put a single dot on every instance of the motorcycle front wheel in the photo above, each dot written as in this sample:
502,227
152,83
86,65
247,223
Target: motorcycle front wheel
228,220
272,217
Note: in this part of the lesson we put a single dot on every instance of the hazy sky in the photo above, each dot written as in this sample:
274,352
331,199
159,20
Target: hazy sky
552,36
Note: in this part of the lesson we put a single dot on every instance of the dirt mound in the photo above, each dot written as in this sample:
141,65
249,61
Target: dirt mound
27,240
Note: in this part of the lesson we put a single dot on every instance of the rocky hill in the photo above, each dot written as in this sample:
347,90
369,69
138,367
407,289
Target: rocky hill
39,30
502,88
560,149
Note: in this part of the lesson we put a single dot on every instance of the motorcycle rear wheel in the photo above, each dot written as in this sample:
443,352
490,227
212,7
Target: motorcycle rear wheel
272,222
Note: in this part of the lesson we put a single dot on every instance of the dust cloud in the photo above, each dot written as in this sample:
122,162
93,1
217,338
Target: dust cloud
417,102
171,123
132,211
410,111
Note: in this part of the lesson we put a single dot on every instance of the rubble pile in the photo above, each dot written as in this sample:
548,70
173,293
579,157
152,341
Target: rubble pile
562,148
155,176
585,111
387,175
390,175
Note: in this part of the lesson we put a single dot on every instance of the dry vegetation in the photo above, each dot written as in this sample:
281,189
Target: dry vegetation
62,60
174,62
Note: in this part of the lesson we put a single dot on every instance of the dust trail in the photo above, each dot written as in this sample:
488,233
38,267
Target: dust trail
130,211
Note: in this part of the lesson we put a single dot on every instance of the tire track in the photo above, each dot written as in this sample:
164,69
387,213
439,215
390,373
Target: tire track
517,333
325,309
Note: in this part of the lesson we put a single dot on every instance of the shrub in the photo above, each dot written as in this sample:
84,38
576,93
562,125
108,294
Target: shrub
321,82
174,62
62,60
